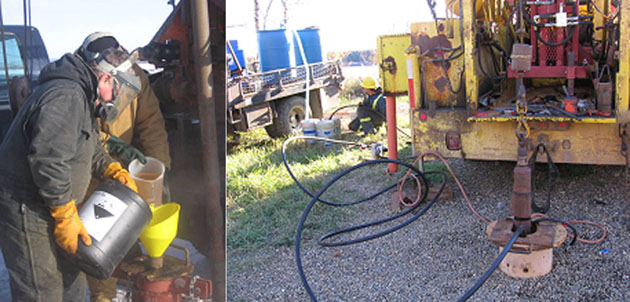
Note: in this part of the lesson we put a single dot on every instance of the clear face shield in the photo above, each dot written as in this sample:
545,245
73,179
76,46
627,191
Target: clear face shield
126,84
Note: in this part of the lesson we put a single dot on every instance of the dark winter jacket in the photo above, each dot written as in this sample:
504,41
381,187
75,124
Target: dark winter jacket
52,147
376,102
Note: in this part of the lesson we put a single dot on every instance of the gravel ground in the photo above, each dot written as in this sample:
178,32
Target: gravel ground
442,254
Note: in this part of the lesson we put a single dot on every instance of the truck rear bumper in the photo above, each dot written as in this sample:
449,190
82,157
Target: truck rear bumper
590,141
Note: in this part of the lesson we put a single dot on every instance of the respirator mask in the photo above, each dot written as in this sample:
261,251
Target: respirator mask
126,84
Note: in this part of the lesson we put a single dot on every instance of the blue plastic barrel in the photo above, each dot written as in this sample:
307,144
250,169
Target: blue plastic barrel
240,55
311,44
274,49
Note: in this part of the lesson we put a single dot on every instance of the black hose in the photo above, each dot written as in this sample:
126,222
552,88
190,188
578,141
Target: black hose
339,109
552,44
329,184
453,56
392,229
552,177
286,165
380,114
575,234
498,46
494,265
447,49
543,41
483,70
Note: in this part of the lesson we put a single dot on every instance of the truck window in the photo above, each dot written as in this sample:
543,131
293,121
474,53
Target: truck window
14,60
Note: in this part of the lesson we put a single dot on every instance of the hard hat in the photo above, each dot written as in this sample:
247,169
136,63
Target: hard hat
95,43
368,83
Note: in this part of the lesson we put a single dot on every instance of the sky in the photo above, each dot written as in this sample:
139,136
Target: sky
64,24
343,24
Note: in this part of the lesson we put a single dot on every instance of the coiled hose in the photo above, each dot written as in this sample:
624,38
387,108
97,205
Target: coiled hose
354,228
421,180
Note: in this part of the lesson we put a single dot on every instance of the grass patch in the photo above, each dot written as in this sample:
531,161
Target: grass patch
264,205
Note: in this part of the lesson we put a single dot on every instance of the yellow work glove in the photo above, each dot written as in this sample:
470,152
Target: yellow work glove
116,171
68,227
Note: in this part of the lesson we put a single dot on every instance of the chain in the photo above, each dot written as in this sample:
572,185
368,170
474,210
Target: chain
192,296
522,128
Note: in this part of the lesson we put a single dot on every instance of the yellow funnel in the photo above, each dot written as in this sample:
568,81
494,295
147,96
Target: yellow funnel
157,236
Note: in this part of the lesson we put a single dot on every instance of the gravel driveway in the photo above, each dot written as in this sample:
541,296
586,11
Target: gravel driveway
443,253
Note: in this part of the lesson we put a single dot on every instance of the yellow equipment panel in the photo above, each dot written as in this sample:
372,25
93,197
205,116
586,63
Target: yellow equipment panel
392,63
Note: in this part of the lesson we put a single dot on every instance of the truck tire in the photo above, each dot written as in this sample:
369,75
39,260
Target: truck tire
289,113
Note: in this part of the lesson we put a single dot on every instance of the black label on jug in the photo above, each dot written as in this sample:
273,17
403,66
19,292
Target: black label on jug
100,213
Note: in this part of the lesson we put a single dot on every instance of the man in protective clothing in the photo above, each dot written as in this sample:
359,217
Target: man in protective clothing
371,112
139,125
49,155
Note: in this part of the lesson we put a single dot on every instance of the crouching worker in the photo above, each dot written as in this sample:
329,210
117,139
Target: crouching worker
51,151
370,114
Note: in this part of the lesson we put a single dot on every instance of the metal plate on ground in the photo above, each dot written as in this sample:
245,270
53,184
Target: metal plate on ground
547,235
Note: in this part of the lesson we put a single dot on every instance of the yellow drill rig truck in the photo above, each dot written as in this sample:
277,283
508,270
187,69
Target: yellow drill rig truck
496,73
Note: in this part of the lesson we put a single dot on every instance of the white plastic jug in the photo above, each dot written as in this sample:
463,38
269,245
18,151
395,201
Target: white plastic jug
309,128
326,128
149,179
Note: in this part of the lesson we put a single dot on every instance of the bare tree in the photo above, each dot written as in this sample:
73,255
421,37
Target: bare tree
286,4
267,14
285,18
256,12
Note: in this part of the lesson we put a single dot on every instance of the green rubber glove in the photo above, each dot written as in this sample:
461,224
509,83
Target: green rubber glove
124,151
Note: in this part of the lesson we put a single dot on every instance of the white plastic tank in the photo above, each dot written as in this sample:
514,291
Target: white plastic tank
337,131
326,128
309,128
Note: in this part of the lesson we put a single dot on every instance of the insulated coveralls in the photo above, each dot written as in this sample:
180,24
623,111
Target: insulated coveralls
370,113
48,157
140,124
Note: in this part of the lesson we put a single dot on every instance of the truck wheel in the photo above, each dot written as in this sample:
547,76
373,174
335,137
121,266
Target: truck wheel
289,113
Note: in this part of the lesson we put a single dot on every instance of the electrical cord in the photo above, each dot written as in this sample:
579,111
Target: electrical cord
459,184
486,221
564,223
494,265
574,222
601,227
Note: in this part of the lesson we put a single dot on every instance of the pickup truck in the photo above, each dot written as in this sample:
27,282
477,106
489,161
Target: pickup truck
24,47
276,99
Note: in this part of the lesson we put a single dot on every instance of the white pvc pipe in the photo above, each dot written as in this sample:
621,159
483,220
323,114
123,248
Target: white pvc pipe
307,107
